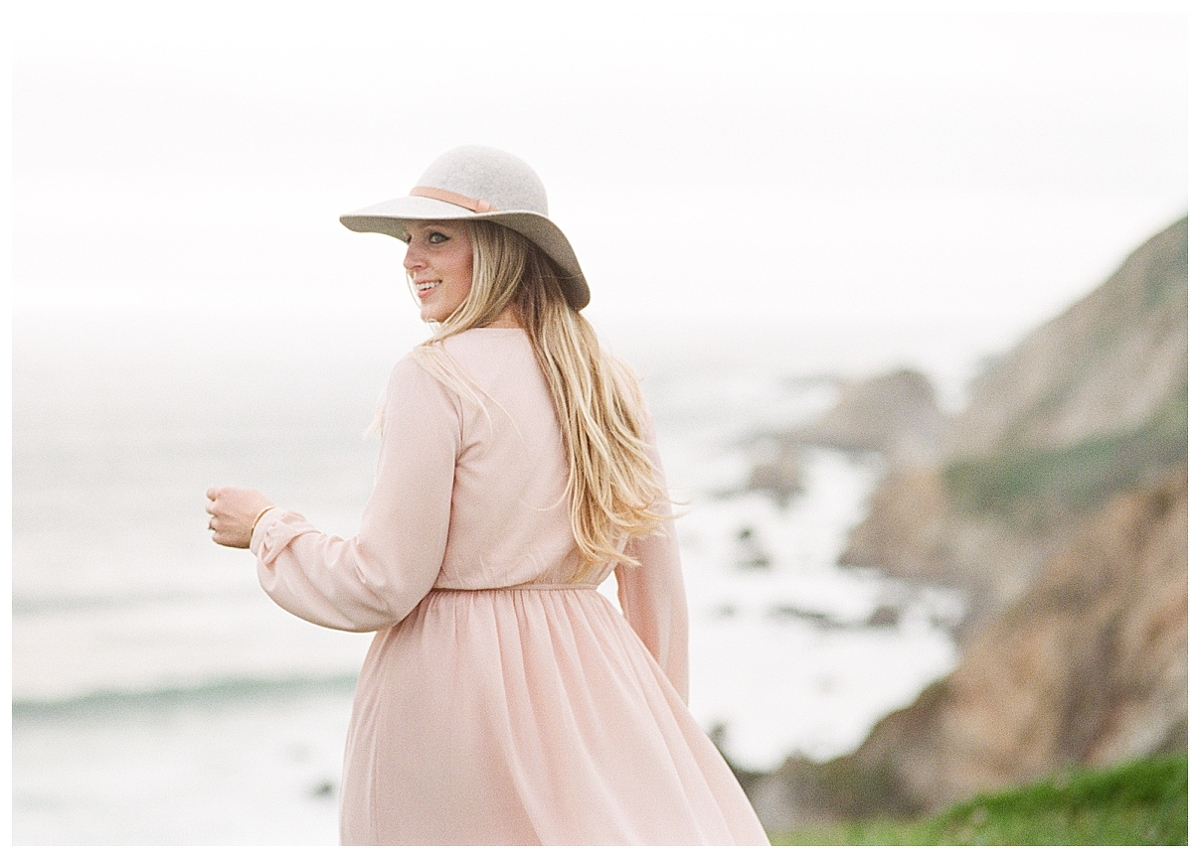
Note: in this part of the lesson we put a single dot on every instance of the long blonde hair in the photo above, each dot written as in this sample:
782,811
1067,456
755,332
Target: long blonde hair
613,487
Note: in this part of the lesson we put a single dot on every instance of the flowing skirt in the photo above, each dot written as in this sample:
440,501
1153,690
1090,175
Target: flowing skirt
529,716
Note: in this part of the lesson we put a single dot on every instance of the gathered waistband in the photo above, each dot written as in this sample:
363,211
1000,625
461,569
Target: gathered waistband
514,587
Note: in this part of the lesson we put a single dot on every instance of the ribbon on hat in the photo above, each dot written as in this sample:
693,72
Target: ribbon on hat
477,206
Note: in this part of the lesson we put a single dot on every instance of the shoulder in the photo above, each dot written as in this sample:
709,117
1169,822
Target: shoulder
413,380
408,371
415,402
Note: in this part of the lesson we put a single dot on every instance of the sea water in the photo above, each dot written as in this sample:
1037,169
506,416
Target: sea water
159,697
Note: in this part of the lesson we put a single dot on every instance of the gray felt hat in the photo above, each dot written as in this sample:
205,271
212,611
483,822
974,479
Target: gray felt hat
480,183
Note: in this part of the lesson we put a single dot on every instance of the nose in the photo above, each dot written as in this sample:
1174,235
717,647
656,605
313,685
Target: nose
413,259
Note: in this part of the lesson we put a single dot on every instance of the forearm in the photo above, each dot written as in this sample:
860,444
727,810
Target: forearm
653,601
335,582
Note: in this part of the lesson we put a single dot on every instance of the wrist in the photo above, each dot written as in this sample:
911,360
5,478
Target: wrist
258,518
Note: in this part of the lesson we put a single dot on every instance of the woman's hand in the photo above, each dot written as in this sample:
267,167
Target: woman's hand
234,512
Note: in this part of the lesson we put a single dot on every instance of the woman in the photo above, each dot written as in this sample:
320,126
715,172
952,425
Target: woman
503,700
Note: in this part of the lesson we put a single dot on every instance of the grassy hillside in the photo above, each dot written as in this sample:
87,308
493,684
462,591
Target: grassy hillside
1138,804
1034,488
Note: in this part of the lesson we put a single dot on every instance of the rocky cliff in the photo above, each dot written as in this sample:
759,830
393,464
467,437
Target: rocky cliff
1089,404
1109,365
1057,500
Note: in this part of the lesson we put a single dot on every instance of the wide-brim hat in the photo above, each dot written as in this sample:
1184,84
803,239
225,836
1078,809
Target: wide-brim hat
480,183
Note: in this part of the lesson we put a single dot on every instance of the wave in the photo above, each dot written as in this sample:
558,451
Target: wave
234,690
23,605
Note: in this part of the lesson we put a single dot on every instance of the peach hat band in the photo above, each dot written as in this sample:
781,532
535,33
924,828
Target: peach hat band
477,206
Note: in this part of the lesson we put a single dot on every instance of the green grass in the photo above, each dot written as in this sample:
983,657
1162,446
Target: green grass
1139,804
1033,488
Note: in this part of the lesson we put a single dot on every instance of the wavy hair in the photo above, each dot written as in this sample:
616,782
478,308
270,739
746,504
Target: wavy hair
613,487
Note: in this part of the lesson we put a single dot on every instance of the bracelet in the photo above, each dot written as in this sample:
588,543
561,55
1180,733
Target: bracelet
258,518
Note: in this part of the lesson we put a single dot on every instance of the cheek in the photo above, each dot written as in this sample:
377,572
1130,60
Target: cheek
462,275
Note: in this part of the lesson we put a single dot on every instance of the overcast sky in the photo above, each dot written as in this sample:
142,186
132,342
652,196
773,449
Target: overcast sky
815,162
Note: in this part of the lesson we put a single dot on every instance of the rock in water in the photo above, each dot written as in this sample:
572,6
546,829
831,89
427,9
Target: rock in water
895,414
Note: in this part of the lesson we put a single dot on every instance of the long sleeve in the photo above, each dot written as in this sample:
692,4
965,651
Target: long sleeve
374,580
652,597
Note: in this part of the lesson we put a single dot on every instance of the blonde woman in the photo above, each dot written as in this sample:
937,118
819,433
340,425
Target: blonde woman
503,700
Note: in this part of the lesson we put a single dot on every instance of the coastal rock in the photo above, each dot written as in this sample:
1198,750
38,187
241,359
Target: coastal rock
778,476
1088,667
1089,404
896,414
914,533
1059,508
1108,364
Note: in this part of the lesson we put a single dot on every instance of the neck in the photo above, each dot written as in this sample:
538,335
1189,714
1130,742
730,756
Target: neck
507,319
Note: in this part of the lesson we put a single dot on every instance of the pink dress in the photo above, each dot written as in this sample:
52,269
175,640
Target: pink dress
499,703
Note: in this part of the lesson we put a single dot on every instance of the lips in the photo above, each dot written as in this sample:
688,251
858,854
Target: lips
424,289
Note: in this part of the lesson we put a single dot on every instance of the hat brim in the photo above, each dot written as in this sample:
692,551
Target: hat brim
390,217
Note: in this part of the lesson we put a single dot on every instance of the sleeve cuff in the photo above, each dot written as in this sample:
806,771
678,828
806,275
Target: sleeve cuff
259,534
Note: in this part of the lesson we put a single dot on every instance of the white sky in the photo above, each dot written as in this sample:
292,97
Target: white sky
982,164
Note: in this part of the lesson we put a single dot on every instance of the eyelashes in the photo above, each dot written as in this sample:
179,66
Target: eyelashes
434,237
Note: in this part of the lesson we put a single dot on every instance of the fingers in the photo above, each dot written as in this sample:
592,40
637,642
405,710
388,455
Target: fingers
228,540
232,511
217,505
228,534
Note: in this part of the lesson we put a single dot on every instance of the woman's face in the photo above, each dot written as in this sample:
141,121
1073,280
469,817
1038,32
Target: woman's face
440,262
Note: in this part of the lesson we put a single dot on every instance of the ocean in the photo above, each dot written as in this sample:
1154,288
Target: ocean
159,697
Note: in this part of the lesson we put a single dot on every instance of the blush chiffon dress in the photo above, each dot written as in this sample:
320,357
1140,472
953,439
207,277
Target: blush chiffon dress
501,701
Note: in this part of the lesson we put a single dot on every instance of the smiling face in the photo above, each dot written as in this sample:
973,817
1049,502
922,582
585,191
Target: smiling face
440,262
